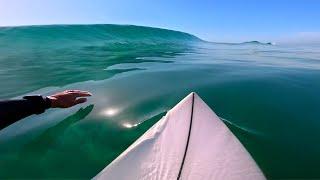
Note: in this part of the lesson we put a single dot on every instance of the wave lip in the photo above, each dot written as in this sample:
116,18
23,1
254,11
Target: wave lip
93,33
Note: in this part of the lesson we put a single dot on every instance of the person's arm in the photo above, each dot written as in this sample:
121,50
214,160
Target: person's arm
14,110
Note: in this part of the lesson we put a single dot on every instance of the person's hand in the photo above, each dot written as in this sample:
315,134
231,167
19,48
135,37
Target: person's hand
68,98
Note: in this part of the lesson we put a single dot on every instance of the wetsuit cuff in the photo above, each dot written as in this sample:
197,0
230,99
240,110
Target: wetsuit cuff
48,102
39,103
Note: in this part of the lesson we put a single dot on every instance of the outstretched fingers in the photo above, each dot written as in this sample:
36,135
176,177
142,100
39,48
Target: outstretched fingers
80,100
78,93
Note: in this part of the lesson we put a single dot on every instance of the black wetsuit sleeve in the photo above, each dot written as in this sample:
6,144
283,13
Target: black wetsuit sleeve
13,110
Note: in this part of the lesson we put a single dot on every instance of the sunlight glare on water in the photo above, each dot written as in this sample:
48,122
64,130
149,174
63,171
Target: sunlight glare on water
110,112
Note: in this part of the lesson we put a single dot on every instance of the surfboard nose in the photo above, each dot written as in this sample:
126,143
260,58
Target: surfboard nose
190,142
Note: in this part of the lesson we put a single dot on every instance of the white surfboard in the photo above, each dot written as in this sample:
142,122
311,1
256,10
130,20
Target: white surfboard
190,142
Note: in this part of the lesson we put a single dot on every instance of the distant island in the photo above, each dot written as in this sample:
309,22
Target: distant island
257,42
246,43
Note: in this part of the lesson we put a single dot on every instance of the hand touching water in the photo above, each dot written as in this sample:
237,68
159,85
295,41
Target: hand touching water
68,98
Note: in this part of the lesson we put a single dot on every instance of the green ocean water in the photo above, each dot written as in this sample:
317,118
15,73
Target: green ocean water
268,95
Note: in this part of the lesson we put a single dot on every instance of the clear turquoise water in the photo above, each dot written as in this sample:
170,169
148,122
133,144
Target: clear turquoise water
267,95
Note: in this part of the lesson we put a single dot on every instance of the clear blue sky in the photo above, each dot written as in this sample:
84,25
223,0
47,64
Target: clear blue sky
215,20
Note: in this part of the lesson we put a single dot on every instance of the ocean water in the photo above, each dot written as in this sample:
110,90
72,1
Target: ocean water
268,95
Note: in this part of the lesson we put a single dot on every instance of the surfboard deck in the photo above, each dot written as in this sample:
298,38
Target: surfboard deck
189,142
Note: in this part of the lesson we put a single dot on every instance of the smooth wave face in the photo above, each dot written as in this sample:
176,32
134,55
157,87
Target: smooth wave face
267,95
39,56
